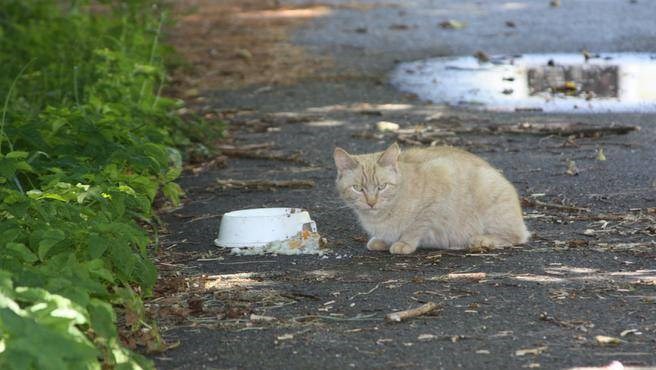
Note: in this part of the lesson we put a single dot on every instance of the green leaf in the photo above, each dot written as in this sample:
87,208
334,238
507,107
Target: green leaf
175,163
97,267
103,319
23,166
22,251
17,155
10,235
172,191
53,196
97,245
50,238
34,345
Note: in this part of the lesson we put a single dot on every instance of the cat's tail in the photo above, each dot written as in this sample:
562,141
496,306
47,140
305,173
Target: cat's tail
524,236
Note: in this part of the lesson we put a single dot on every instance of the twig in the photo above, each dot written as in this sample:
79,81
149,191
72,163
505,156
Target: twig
255,317
366,293
534,202
429,134
265,184
563,129
210,259
259,151
465,276
244,262
252,328
203,217
259,154
233,149
415,312
295,294
336,318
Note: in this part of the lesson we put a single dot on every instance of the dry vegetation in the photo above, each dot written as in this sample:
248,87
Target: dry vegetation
237,43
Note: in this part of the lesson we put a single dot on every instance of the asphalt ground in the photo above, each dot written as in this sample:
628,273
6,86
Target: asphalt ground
588,272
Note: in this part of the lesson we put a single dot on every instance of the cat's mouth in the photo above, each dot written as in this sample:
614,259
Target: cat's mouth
370,209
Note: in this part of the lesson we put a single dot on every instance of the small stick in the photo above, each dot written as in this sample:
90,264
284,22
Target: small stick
365,293
244,262
535,202
265,184
255,317
203,217
259,154
233,149
210,259
465,276
414,312
334,318
259,151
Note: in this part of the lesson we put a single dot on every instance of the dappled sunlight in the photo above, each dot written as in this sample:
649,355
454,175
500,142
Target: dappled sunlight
222,300
569,274
392,107
302,13
538,278
325,123
360,108
238,43
228,281
564,270
557,275
514,5
322,274
617,365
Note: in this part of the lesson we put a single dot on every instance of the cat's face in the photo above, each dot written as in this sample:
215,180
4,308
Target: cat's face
368,182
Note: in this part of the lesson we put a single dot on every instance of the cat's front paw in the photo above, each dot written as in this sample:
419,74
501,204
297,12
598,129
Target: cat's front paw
484,243
377,245
402,248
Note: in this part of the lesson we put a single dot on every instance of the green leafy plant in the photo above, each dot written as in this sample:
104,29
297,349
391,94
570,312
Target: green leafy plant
86,144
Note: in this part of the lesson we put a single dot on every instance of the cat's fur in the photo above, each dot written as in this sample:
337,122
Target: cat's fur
439,197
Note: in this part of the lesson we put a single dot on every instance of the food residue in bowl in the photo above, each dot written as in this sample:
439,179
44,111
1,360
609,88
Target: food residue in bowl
305,242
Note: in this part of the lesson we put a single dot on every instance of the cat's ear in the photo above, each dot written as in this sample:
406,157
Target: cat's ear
390,157
344,161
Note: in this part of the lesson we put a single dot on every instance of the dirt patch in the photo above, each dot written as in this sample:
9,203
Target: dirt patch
237,43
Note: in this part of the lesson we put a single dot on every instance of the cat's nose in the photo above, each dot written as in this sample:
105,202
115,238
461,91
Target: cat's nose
371,202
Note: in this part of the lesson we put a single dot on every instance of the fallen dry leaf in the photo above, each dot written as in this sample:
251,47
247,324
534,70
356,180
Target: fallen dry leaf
482,56
385,126
452,24
577,243
600,155
630,331
572,170
244,54
399,27
607,341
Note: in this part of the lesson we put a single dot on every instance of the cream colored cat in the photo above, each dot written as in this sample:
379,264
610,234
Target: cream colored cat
439,197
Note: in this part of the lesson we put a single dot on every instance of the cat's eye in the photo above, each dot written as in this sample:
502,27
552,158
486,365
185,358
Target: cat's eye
382,187
357,188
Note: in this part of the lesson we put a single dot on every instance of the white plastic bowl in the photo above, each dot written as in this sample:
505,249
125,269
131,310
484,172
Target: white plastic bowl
261,226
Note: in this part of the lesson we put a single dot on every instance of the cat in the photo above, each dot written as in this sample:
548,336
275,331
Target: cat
438,197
